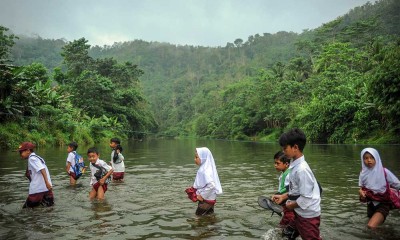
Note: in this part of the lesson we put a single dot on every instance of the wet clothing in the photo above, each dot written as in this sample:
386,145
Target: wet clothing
207,182
45,199
304,189
308,228
73,175
287,218
94,169
374,182
118,175
35,165
97,185
204,208
383,208
288,215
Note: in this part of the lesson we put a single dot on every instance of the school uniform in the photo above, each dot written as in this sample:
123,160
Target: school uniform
373,181
304,189
288,215
38,192
207,182
71,160
118,165
93,180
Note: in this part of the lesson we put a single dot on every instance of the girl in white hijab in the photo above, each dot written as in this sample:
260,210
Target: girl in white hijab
372,182
207,182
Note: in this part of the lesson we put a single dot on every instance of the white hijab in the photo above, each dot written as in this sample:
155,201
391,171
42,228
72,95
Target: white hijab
372,178
207,171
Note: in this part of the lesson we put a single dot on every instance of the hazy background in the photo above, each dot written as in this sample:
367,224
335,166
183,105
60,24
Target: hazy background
191,22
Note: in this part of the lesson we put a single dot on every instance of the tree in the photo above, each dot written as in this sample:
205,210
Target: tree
76,57
384,85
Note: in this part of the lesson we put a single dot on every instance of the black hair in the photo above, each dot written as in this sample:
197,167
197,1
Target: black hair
73,145
281,157
118,147
293,137
93,150
116,140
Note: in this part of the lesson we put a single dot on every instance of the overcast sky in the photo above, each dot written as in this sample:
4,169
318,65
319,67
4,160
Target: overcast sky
183,22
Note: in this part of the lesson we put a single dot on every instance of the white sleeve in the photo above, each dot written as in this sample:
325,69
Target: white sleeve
36,164
392,179
308,183
121,157
71,158
106,166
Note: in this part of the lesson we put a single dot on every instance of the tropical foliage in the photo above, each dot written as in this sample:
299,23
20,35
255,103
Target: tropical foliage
339,82
91,101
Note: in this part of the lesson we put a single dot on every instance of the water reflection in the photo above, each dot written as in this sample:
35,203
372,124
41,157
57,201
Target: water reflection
152,204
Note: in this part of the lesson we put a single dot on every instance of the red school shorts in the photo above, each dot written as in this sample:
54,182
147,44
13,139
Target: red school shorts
97,185
287,218
73,175
43,198
118,175
308,227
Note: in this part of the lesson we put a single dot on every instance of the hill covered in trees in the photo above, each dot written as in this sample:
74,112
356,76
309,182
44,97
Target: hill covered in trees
339,82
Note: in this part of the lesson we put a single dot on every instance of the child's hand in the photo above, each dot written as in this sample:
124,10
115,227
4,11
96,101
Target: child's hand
363,194
49,187
291,205
278,199
200,198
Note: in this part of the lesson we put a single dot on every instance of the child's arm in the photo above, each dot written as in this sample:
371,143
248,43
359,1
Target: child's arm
280,198
44,174
67,167
291,205
103,179
362,193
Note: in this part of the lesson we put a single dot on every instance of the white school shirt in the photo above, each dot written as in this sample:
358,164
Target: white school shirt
35,165
71,159
208,192
93,170
118,167
302,182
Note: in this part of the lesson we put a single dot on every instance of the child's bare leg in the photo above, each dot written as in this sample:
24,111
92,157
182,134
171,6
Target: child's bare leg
72,181
100,193
92,194
376,220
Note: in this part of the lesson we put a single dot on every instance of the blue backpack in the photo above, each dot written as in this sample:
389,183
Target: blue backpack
79,165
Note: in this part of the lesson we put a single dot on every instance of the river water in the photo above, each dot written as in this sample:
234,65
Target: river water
152,204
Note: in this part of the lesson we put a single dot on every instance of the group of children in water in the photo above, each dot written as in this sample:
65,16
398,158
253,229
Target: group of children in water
40,187
298,192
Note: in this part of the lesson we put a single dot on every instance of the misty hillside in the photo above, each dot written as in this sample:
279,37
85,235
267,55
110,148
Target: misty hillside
197,90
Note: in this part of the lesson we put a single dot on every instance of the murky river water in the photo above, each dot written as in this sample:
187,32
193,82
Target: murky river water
152,204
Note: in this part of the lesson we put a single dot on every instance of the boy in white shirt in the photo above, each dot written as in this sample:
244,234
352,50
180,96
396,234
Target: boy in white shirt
100,172
304,193
40,187
71,149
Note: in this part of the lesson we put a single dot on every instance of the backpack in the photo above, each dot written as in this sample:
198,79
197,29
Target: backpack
79,165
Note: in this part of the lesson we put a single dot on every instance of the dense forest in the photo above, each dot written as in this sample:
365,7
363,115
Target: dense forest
340,83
